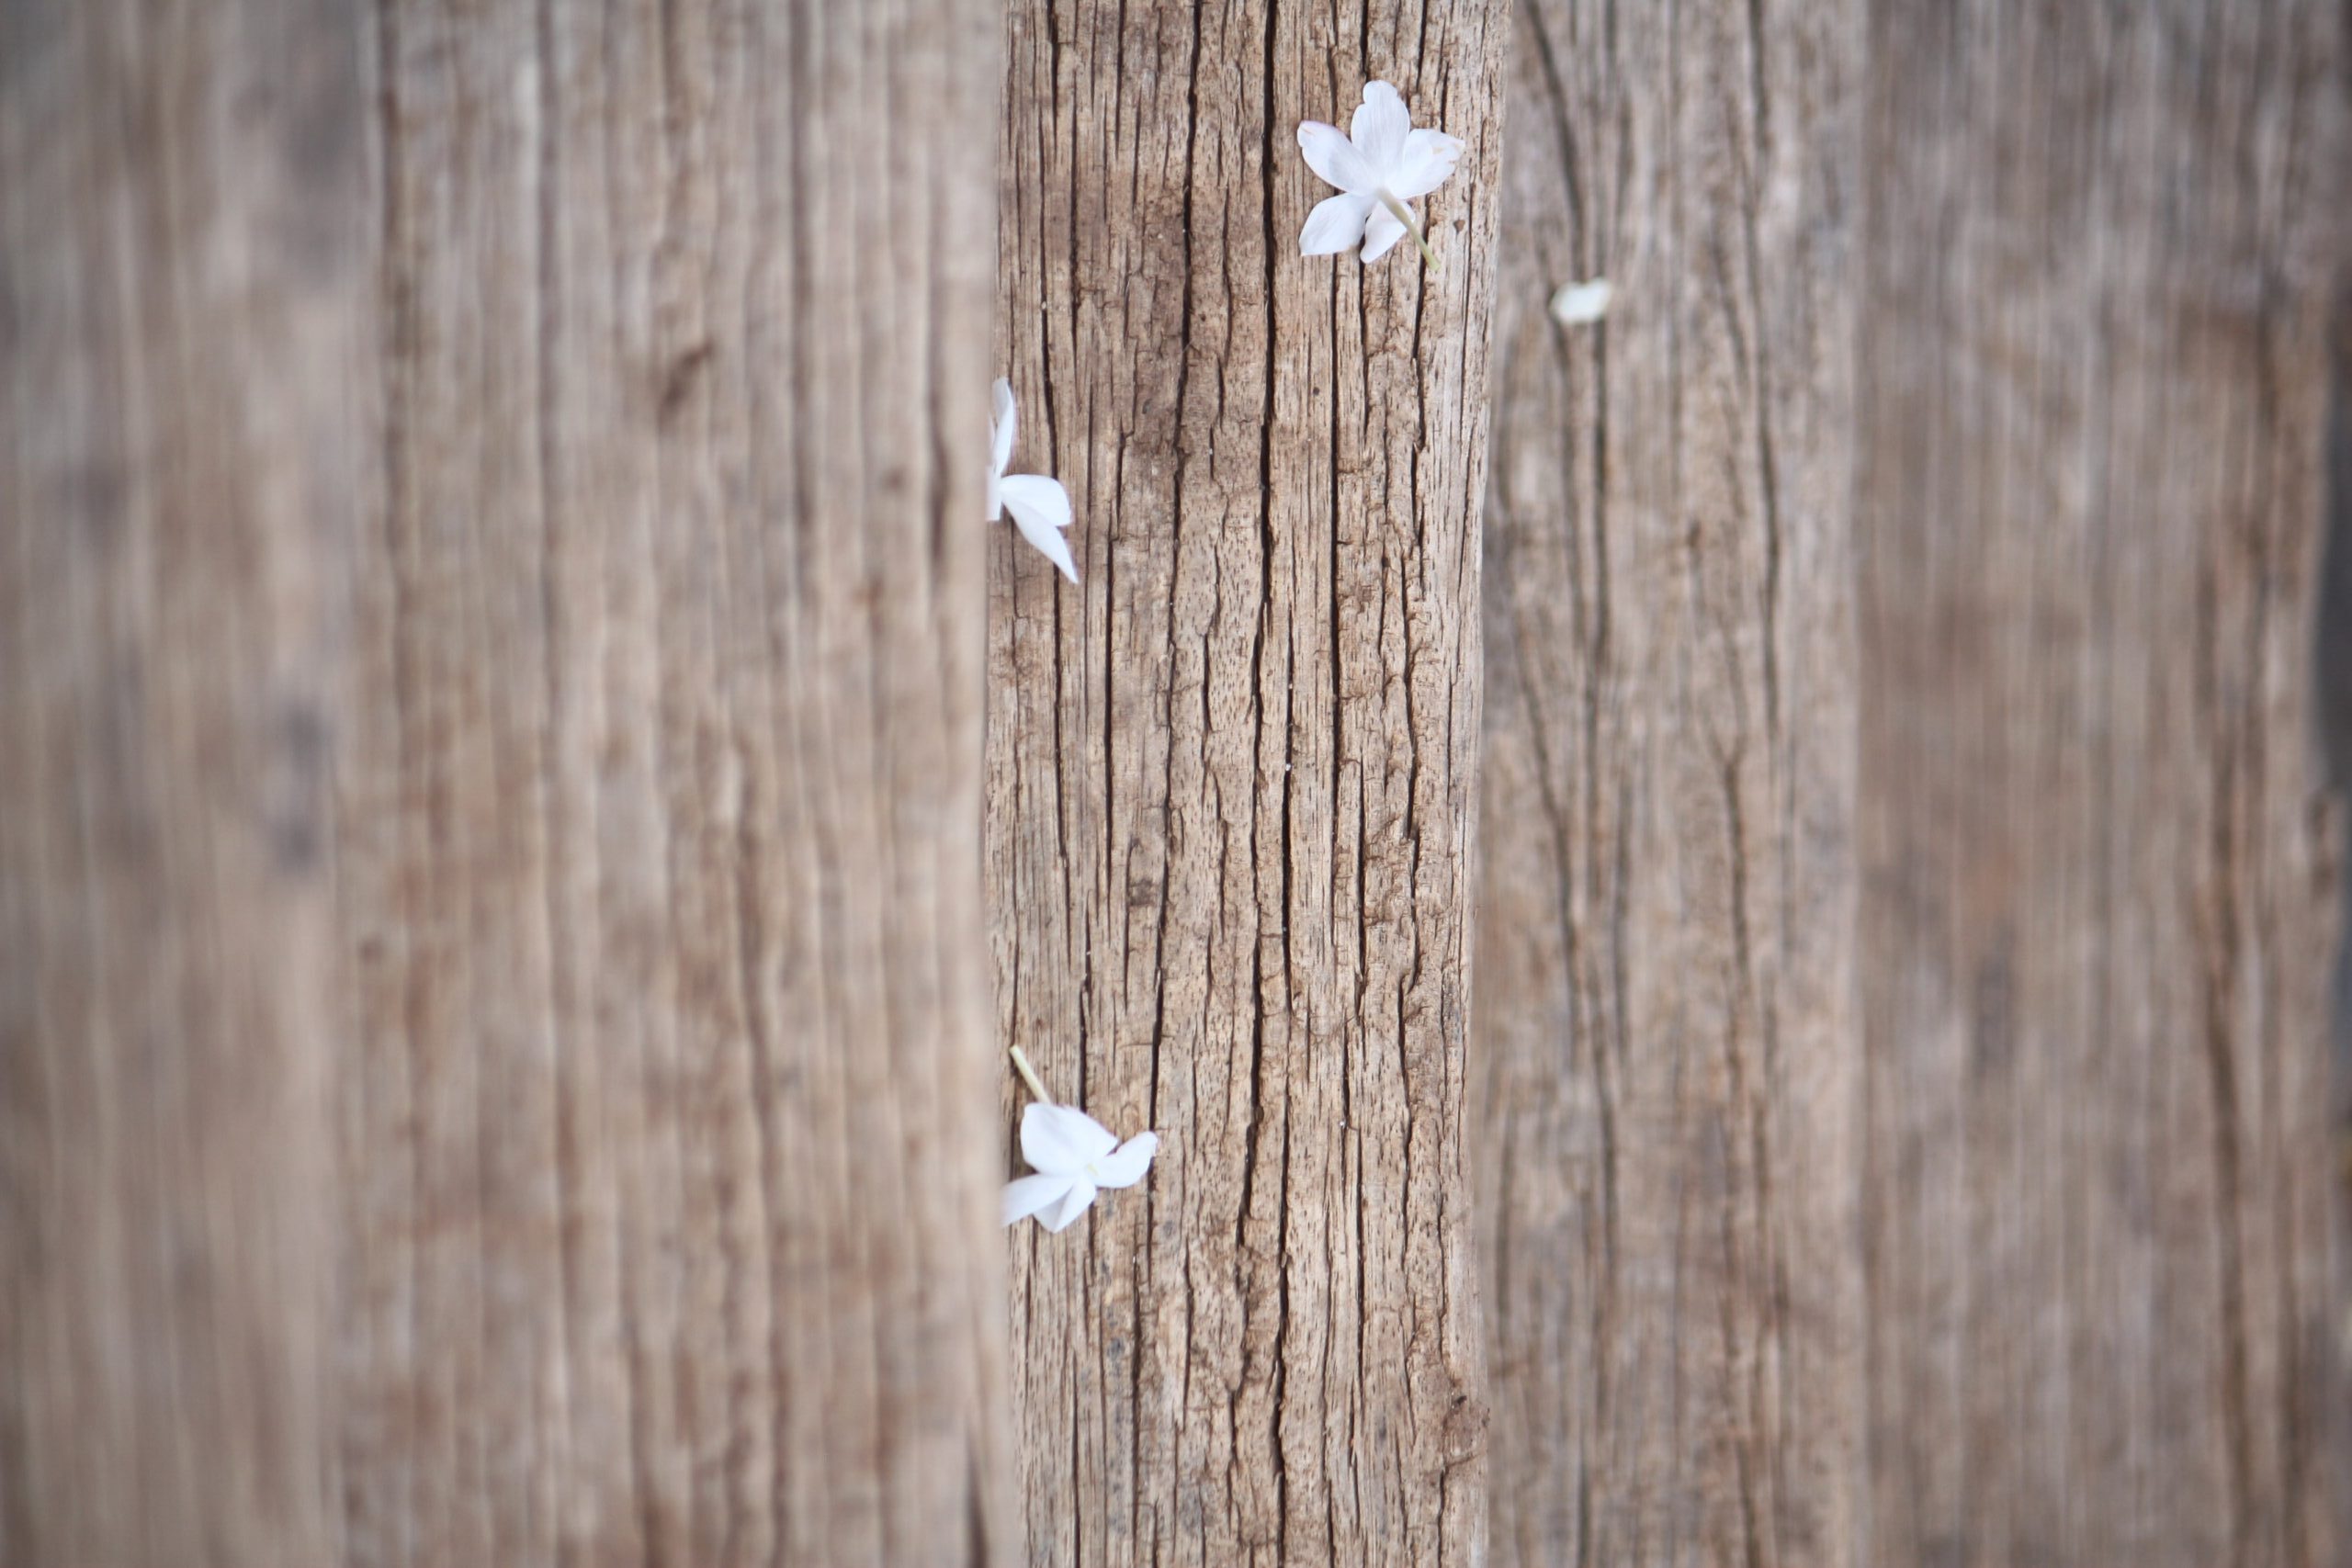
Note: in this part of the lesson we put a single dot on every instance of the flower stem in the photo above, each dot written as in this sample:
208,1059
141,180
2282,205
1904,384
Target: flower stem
1029,1075
1404,214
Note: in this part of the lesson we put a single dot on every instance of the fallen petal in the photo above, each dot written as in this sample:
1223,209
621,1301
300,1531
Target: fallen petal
1041,525
1060,1139
1381,232
1336,223
1042,498
1334,158
1426,163
1125,1166
1578,304
1030,1193
1073,1203
1380,126
1000,426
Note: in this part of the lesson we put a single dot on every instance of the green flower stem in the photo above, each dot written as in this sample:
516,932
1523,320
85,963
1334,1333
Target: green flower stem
1404,214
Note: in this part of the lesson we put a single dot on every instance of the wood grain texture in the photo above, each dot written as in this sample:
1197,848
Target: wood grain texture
1669,1086
1230,784
2333,673
2098,904
184,284
617,1188
668,1160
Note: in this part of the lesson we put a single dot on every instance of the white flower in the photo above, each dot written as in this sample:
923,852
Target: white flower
1379,167
1576,304
1074,1156
1040,507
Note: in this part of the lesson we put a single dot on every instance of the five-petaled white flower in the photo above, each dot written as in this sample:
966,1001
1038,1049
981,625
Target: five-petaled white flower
1380,166
1074,1156
1040,507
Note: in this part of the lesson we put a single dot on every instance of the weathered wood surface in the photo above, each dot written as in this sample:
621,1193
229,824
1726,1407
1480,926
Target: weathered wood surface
1667,1066
184,284
2097,902
1230,784
633,1204
2087,843
2333,700
494,1042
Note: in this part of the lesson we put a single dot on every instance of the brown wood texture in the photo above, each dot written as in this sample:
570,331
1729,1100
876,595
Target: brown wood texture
2333,697
1230,784
617,1188
184,285
1668,1084
2042,1139
2097,902
669,649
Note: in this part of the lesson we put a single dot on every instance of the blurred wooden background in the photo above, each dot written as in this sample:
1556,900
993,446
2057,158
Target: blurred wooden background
1908,876
1729,915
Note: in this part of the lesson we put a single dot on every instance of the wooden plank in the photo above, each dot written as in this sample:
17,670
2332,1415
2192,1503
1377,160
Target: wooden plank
184,287
2098,900
1666,1052
668,1146
553,432
1231,783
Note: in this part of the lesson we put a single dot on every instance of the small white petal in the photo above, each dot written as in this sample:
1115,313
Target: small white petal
1060,1139
1334,158
1030,1193
1040,509
1048,544
1578,303
1379,127
1043,498
1001,425
1379,232
1073,1203
1336,223
1426,163
1125,1166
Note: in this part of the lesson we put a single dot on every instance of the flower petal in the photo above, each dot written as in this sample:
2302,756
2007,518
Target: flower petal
1125,1166
1379,232
1030,1193
1576,304
1001,425
1044,499
1060,1139
1334,158
1336,223
1426,163
1040,509
1379,127
1073,1203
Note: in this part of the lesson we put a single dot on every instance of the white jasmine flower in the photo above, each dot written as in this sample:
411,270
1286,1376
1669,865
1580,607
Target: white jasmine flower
1040,507
1578,303
1074,1156
1380,166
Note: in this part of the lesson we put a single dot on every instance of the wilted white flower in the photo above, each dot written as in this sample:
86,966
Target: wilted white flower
1040,507
1576,304
1074,1156
1380,166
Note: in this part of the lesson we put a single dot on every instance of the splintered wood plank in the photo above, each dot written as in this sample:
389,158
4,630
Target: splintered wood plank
184,287
2099,869
1231,783
668,1135
1668,1074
